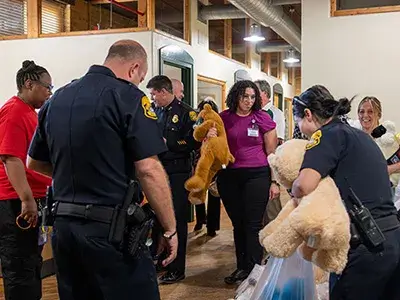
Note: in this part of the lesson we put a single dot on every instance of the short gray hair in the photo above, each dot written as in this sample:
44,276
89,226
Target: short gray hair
264,86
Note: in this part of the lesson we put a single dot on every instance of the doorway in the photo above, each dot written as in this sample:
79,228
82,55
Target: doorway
177,63
214,88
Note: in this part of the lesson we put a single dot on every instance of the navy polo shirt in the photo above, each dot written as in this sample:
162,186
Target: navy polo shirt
92,131
352,158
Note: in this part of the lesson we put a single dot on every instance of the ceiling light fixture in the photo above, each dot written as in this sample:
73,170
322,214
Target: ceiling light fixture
254,34
291,57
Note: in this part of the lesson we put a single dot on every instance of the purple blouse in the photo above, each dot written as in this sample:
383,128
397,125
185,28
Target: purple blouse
245,137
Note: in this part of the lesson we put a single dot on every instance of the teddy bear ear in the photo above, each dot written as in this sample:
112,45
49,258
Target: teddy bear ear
207,107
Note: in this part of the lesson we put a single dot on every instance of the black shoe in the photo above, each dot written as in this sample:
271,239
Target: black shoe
236,277
198,226
211,233
171,277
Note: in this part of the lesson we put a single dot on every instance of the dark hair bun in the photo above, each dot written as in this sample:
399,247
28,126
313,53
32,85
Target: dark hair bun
28,65
344,106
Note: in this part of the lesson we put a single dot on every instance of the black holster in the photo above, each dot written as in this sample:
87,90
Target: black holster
48,210
131,223
137,233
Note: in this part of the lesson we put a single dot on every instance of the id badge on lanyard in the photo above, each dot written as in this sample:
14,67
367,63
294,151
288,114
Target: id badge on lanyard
253,130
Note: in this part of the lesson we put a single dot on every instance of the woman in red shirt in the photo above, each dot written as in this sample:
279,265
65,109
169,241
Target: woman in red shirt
21,188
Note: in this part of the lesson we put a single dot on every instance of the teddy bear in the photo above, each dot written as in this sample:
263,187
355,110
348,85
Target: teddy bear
214,154
389,144
319,224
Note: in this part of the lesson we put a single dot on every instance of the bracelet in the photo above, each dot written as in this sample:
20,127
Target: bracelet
168,237
274,181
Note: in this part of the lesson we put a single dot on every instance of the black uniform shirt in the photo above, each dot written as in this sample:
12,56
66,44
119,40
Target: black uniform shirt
344,152
176,125
92,130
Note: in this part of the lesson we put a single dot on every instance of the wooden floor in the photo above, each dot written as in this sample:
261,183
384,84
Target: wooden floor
209,260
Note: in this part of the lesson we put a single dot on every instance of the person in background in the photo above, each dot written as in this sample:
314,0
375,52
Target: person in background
275,113
212,218
175,122
178,89
369,114
353,160
246,185
273,207
21,189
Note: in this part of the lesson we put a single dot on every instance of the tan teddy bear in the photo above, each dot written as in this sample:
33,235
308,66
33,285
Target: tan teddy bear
214,154
320,224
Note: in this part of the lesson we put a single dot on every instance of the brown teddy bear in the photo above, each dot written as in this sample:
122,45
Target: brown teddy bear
320,224
214,154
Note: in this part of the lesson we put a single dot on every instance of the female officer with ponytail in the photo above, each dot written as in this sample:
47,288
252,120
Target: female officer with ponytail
359,169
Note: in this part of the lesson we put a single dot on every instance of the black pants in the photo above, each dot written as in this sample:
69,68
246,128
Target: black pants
181,207
89,267
20,255
371,275
245,194
212,216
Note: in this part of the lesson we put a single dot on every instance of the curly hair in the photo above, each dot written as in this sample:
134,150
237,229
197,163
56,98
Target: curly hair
238,90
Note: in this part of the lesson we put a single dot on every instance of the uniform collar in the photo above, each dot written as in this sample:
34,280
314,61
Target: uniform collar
268,106
97,69
332,123
173,102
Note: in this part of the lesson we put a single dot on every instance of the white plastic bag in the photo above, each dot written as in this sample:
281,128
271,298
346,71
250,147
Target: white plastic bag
246,288
289,278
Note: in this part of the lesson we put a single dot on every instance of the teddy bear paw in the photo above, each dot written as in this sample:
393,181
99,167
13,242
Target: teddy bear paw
195,184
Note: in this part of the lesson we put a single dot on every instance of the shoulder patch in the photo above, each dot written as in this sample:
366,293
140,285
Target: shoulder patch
192,115
147,109
315,140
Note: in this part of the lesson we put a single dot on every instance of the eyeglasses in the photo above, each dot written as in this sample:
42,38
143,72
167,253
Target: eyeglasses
46,85
298,100
248,97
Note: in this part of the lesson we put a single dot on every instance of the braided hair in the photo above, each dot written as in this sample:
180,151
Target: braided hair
29,71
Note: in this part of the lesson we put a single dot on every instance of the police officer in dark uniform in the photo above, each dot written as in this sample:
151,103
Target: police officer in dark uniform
176,120
95,135
359,170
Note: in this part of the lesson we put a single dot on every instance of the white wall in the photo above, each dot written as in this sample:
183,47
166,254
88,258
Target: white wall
352,55
66,58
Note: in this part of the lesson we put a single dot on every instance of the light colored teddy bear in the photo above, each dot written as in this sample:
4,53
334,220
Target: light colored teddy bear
389,145
320,224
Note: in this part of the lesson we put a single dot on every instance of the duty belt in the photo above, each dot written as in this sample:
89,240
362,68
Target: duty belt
90,212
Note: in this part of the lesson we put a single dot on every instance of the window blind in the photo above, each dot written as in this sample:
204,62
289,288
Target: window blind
13,17
53,16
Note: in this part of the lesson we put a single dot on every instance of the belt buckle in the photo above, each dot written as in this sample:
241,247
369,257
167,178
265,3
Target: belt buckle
87,210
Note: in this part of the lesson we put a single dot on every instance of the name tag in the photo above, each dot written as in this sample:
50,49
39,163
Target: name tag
252,132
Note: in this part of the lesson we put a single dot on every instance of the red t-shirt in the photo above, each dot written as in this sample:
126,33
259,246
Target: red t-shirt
18,123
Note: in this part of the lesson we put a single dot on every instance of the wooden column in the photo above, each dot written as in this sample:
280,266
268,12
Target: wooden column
151,14
142,7
34,17
228,38
267,63
279,65
247,44
187,24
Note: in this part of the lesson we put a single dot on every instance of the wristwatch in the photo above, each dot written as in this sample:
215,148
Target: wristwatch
169,236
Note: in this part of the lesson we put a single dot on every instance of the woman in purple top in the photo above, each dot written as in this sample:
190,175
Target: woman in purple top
245,186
